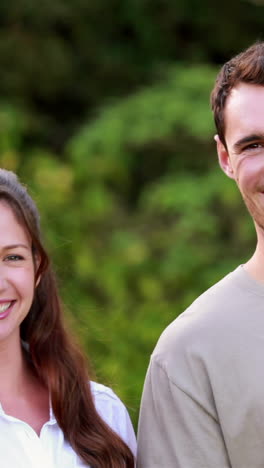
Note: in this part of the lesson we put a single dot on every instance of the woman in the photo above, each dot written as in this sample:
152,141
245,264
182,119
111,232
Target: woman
50,415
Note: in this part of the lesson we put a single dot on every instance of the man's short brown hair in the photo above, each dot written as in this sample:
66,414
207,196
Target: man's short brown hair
246,67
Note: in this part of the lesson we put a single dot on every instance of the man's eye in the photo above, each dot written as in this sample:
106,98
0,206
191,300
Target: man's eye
253,146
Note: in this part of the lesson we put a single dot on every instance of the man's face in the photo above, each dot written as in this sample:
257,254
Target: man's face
244,158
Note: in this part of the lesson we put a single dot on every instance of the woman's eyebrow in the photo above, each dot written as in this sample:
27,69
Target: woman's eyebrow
15,246
254,137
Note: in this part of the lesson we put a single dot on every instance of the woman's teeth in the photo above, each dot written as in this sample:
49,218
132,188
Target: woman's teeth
5,306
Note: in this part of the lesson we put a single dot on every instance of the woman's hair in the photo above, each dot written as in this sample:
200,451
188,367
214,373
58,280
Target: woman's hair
56,359
246,67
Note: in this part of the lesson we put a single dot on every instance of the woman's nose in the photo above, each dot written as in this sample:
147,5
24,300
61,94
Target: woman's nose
3,281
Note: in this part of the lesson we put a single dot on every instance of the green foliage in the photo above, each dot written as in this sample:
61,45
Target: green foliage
104,114
65,63
134,248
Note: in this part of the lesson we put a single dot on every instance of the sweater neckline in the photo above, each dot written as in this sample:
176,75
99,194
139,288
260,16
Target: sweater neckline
247,282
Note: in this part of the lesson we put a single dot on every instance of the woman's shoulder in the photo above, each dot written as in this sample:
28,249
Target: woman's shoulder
114,413
102,393
107,403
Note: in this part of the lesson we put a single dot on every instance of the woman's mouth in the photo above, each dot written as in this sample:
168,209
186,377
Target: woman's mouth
5,308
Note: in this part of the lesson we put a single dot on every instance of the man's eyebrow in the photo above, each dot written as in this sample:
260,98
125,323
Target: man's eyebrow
254,137
15,246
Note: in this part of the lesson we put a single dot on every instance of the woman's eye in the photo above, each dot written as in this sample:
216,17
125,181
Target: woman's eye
13,258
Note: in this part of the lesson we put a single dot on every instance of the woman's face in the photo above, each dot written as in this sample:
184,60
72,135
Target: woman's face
17,275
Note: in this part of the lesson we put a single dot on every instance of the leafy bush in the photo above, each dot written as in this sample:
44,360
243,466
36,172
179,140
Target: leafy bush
138,218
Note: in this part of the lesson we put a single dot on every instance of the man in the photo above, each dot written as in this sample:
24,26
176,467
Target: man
203,399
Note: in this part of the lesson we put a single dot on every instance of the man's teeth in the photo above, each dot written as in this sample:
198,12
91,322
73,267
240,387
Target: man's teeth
5,306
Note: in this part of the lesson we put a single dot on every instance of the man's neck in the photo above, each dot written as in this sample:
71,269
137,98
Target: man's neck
255,265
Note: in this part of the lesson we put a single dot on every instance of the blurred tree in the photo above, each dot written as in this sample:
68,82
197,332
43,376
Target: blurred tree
65,63
104,114
136,218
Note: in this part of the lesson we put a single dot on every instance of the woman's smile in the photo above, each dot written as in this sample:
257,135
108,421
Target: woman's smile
17,273
5,308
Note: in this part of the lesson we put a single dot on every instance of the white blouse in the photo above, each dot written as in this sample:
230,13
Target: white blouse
21,447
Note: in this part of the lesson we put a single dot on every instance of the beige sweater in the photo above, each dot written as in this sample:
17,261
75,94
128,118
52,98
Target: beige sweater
203,399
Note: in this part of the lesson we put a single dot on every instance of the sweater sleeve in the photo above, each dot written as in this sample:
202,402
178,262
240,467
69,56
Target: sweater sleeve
175,431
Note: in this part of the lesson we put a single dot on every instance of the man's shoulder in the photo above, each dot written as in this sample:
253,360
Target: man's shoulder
206,320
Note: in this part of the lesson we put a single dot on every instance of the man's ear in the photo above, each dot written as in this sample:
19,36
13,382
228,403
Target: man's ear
223,158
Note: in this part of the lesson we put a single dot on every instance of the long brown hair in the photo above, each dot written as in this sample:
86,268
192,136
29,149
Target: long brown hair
56,359
246,67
